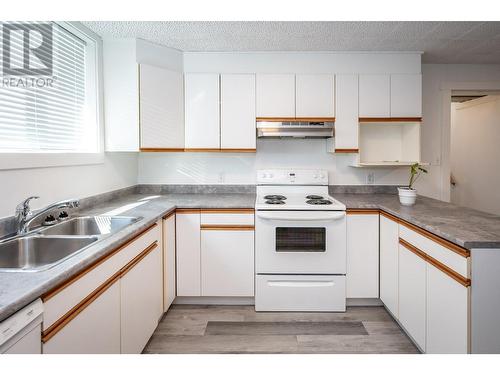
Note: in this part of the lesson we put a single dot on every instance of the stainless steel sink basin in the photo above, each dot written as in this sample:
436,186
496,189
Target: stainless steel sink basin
90,226
36,253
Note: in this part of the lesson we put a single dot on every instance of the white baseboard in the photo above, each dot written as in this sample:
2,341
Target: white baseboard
364,302
214,301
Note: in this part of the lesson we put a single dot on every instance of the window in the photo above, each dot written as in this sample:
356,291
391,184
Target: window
55,111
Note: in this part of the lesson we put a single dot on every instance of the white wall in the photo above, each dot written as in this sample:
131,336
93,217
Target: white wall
52,184
216,168
436,79
475,153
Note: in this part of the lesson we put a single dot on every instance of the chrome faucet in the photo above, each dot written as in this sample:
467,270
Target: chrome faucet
24,215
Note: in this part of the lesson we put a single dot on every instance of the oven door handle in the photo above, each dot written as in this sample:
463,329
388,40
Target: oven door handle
301,215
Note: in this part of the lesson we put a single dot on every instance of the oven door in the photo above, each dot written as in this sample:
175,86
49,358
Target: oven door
300,242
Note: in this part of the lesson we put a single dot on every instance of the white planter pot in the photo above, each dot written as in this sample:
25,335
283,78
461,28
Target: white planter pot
407,197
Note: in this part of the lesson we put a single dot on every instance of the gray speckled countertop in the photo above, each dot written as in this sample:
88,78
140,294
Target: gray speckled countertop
17,289
463,226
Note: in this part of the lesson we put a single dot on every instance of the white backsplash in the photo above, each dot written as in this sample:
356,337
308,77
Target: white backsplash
222,168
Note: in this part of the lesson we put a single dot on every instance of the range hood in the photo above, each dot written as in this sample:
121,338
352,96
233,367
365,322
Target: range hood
294,128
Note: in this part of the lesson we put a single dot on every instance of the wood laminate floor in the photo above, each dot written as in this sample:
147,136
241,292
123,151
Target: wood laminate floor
239,329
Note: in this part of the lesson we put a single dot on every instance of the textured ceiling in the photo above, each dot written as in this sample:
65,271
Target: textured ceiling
441,42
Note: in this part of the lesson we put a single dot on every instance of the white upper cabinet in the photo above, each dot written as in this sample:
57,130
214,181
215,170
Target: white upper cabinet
161,108
237,125
275,95
374,96
202,126
315,95
406,95
346,117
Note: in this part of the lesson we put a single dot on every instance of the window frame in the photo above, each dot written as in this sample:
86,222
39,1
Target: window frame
26,160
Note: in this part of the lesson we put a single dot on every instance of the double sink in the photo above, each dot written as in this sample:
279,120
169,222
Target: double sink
43,248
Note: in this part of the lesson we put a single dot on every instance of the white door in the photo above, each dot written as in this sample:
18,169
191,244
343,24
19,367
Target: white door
141,302
315,95
202,117
406,95
346,112
362,256
227,263
374,96
188,254
95,330
275,95
168,261
412,294
447,313
238,111
161,108
389,248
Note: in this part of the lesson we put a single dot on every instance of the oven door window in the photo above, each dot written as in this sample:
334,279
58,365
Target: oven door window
296,239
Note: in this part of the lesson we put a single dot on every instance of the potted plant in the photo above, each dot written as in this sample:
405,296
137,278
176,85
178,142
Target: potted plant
407,194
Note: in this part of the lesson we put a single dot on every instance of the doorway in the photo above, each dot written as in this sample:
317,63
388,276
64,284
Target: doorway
475,150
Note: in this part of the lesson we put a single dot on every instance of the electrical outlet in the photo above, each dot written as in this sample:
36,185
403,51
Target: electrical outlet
370,178
222,177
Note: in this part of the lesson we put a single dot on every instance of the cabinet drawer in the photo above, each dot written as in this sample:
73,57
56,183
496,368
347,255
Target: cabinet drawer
449,257
64,298
243,217
299,293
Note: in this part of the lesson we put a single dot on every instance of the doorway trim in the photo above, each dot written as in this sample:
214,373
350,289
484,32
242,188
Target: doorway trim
446,90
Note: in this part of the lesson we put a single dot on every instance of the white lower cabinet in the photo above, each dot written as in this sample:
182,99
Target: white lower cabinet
95,330
227,259
447,313
169,277
141,302
389,248
188,254
362,255
412,295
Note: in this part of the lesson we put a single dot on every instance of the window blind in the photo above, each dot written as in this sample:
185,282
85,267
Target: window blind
51,117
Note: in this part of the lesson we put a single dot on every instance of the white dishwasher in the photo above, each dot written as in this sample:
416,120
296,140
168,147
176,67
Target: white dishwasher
21,333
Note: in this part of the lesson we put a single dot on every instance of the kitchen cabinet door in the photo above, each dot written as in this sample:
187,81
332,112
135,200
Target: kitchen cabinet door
275,95
168,261
141,302
238,111
95,330
346,116
161,108
406,95
315,95
374,96
412,294
447,313
362,255
188,254
202,112
389,248
227,263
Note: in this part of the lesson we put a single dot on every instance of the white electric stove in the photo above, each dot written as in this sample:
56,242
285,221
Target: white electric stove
300,243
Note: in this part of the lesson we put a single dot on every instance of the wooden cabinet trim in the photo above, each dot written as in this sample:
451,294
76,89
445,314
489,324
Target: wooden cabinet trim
390,119
451,246
286,119
170,214
227,227
346,150
389,216
437,264
362,211
202,149
227,210
51,293
73,313
188,210
250,150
